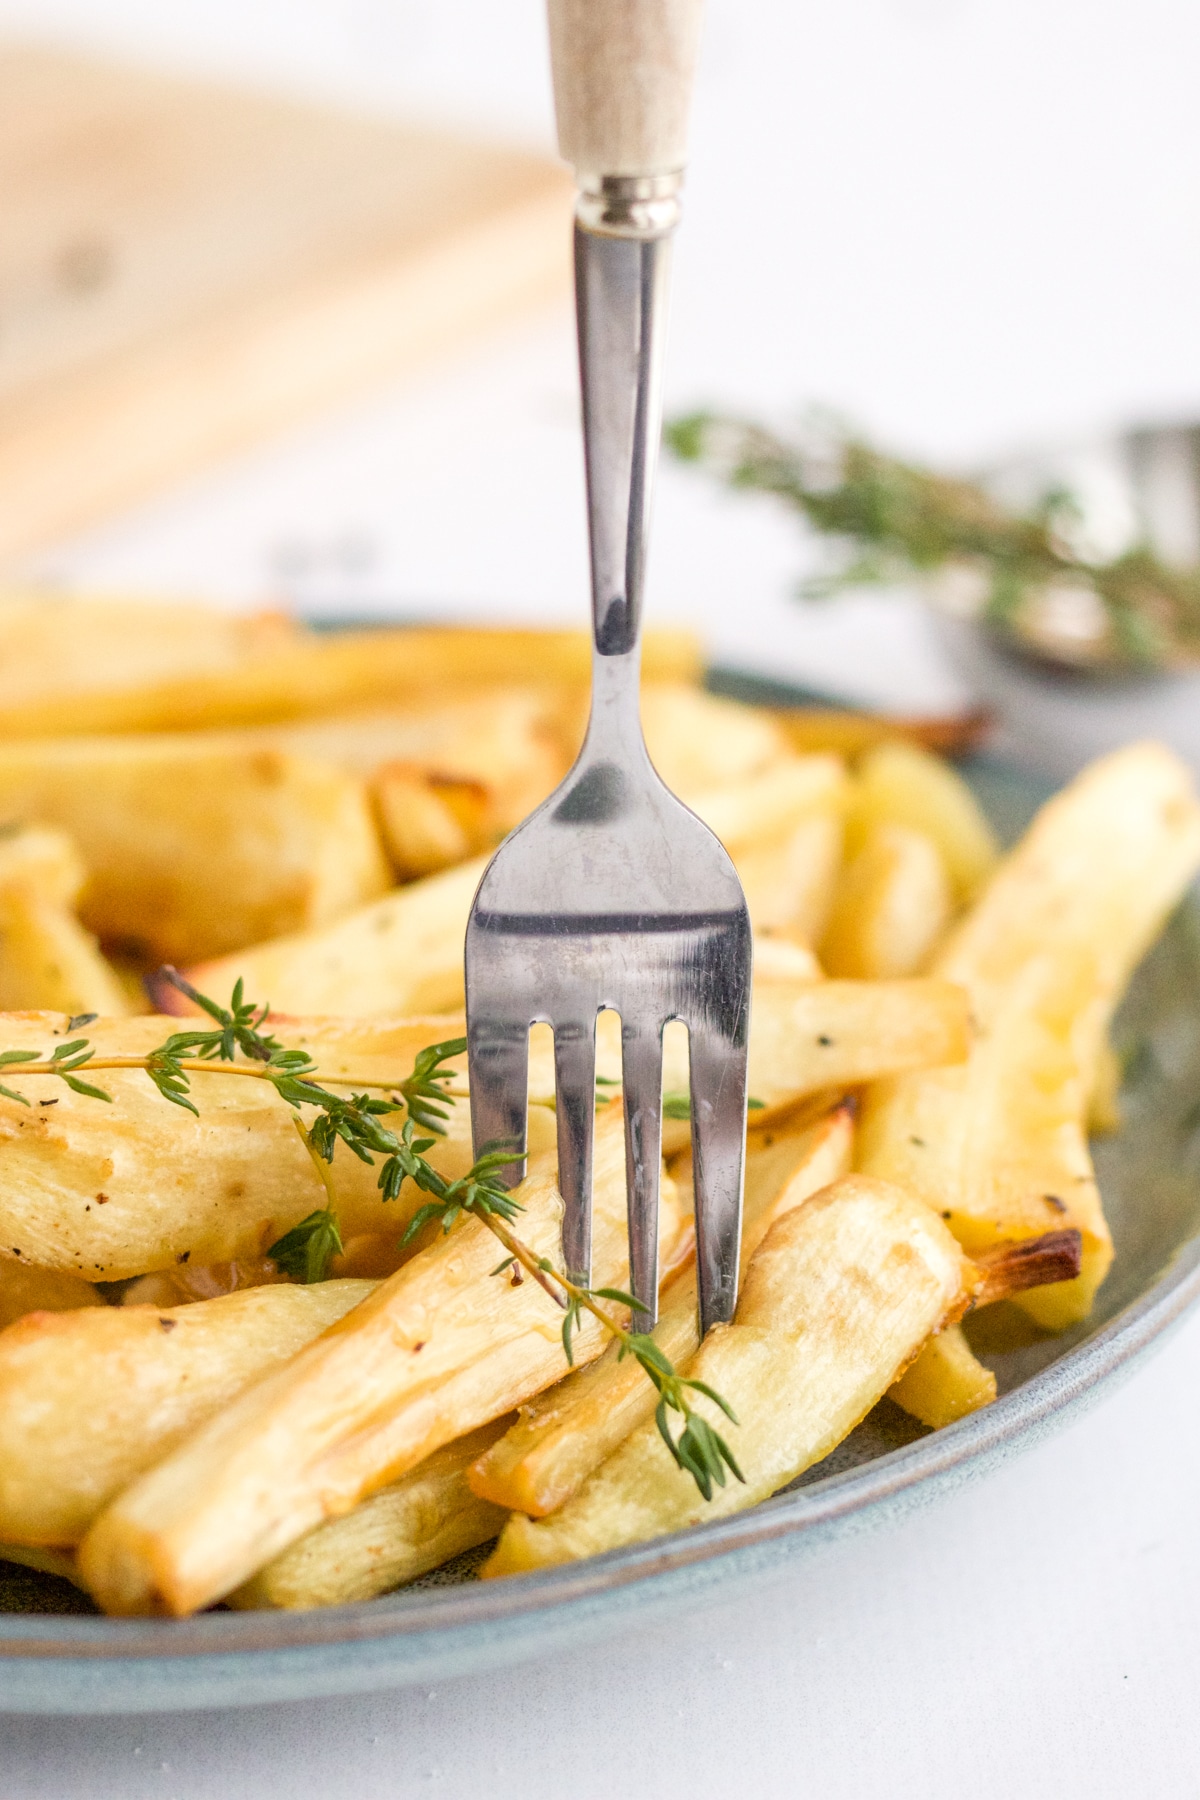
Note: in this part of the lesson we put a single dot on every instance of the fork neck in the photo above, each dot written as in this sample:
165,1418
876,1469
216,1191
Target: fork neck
622,263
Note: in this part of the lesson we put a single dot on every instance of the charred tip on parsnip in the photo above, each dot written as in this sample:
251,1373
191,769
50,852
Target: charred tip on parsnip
1028,1263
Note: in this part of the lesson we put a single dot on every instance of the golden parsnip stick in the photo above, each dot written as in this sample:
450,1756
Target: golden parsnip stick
840,1294
399,1533
313,675
569,1431
998,1146
437,1350
89,1399
109,1191
806,1037
947,1380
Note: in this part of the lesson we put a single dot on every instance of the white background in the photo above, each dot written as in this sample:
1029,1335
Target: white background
971,226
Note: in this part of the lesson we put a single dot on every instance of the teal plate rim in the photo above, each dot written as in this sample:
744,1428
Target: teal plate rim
68,1663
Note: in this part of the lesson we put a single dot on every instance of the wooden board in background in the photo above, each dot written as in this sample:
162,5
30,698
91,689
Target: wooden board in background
186,268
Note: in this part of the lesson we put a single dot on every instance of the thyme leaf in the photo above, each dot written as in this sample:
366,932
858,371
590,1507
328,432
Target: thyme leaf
306,1251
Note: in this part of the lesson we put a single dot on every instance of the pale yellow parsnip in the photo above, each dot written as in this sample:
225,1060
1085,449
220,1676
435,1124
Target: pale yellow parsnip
90,1399
437,1350
567,1432
902,784
999,1145
400,954
945,1382
892,905
197,844
806,1036
109,1191
401,1532
839,1296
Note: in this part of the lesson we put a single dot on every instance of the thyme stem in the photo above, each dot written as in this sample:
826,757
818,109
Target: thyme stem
196,1065
324,1169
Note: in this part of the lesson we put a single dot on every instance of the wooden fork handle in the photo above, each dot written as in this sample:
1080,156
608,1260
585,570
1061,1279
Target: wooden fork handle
623,84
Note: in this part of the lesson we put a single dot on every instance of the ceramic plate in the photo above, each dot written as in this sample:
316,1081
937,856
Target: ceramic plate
57,1656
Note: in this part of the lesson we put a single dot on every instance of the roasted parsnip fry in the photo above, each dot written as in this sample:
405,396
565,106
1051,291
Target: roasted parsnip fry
24,1290
901,784
890,908
764,806
699,742
41,860
1104,1101
807,1037
838,1297
90,1399
48,961
470,768
58,656
947,1381
790,881
813,728
399,1533
428,821
113,1191
313,675
196,845
401,954
444,1345
1089,885
780,958
569,1431
998,1147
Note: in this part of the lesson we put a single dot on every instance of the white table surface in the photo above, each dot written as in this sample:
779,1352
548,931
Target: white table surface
976,225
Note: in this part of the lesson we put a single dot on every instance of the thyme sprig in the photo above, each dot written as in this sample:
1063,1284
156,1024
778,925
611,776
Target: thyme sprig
357,1121
1029,576
699,1449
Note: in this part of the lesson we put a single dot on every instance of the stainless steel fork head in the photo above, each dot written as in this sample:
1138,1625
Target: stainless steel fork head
612,894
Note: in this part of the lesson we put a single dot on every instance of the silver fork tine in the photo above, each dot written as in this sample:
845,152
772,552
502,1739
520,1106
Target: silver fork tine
641,1073
498,1056
575,1104
718,1084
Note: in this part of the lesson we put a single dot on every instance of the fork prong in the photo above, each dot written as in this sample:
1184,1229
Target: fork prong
641,1060
575,1105
718,1084
498,1057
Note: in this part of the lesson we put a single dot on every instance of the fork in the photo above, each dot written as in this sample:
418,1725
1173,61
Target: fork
613,894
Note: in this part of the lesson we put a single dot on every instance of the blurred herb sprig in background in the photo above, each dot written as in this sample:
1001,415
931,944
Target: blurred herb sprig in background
1025,575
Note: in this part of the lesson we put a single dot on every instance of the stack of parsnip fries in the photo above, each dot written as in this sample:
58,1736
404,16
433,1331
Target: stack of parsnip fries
245,1356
